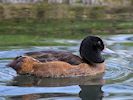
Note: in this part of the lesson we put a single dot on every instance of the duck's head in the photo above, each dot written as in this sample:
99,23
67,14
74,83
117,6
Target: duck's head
23,64
91,48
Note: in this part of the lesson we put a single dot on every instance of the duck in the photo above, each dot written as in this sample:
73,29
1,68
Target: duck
64,64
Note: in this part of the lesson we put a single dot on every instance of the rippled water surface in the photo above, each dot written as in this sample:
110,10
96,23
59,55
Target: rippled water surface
117,82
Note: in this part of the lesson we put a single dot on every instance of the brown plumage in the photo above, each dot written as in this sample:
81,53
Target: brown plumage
26,64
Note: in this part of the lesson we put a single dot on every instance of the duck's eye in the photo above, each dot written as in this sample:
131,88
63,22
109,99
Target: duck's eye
99,42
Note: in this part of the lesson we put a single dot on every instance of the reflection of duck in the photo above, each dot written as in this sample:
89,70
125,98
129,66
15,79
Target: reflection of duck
90,63
90,87
91,92
26,80
87,92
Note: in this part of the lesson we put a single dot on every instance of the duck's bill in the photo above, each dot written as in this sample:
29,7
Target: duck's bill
107,51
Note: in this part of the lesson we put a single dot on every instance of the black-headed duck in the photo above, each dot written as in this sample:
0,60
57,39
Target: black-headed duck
59,64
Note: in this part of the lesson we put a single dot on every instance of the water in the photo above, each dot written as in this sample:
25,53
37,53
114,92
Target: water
116,84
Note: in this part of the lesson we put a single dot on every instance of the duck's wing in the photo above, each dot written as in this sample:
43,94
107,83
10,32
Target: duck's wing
45,56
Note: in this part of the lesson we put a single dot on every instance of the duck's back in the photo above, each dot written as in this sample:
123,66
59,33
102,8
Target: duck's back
45,56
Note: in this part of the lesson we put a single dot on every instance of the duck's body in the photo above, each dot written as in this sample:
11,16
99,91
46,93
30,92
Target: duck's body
64,64
32,66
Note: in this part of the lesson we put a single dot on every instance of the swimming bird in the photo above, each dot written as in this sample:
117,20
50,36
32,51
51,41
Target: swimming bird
64,64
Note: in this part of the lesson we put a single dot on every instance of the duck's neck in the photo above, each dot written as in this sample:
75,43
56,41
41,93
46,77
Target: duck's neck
98,68
100,65
92,57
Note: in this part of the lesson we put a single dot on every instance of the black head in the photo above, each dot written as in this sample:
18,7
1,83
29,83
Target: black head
90,50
